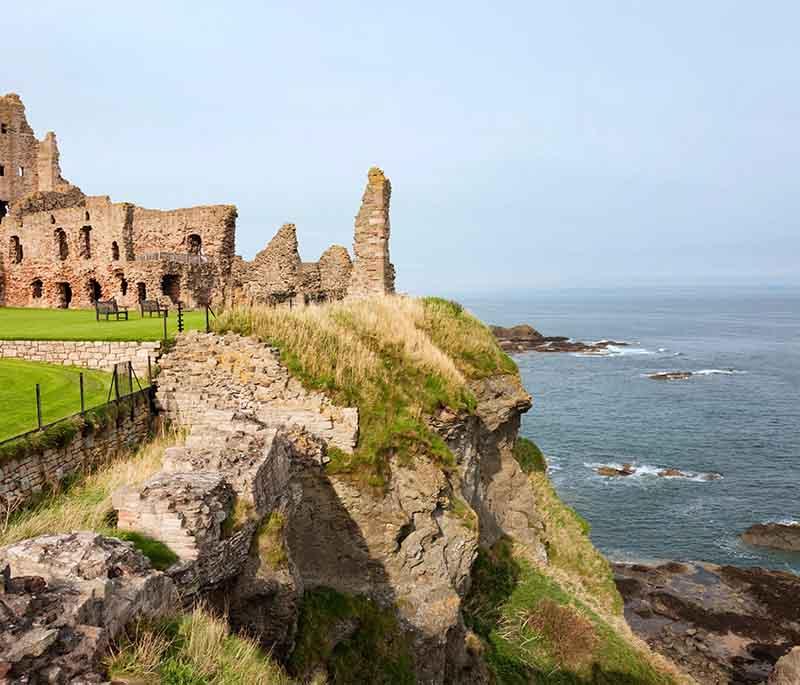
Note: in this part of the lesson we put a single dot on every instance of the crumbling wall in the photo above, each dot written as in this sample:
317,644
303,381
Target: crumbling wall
373,272
335,267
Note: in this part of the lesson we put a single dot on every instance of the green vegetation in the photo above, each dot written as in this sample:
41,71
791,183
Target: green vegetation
269,539
529,456
192,649
376,652
397,359
570,550
536,632
80,324
161,556
60,393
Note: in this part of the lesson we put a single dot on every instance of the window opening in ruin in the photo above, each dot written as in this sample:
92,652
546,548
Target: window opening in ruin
141,292
115,251
62,248
195,244
123,284
3,128
52,219
21,171
15,249
171,287
94,290
86,216
86,242
36,289
3,208
2,170
64,291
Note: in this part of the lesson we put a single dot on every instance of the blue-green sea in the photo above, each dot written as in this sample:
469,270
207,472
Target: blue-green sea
739,417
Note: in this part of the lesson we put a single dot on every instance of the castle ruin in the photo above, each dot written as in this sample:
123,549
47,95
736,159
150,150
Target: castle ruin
62,248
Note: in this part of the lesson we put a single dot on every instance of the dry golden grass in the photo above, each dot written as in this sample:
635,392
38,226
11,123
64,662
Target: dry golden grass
570,634
86,504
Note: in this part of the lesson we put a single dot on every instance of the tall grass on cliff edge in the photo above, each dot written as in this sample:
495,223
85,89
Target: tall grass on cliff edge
397,359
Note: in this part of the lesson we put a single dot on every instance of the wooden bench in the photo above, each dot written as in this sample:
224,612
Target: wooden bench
109,308
154,307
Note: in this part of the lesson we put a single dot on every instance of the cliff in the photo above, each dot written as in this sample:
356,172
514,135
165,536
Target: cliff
353,494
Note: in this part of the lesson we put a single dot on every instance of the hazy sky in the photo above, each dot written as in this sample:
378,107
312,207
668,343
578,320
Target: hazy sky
529,143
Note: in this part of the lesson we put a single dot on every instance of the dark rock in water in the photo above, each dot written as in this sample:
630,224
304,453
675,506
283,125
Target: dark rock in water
721,624
782,536
670,375
524,338
614,472
672,473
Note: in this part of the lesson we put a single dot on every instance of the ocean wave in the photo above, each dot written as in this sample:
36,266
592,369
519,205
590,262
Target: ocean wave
614,351
648,471
713,372
685,375
784,522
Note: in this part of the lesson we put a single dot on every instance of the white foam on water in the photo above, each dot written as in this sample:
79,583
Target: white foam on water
614,351
715,372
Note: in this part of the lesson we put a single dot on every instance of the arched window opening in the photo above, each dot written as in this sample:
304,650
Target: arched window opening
94,290
2,170
64,292
141,291
194,244
52,219
21,171
86,216
171,287
3,207
115,251
3,128
123,284
15,249
62,247
36,289
86,242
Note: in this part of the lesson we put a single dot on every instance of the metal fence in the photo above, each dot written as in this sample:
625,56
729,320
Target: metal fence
124,385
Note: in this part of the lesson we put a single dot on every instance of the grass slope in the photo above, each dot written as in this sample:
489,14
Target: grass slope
534,631
397,359
59,389
191,649
80,324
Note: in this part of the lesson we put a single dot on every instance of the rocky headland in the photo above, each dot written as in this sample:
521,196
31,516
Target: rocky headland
525,338
721,624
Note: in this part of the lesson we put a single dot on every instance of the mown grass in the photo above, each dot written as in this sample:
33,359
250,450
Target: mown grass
193,649
376,652
19,323
60,393
534,631
397,359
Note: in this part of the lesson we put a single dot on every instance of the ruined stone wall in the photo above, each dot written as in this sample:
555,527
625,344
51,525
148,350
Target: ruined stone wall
21,479
89,354
373,272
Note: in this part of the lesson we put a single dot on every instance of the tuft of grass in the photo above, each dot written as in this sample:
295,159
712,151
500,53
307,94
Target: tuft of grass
462,511
376,651
395,358
159,554
193,649
85,502
529,456
535,631
269,539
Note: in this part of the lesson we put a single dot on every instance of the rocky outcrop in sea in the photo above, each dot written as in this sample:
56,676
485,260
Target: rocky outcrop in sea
525,338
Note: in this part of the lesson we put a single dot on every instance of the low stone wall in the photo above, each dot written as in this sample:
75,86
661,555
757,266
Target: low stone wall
91,354
24,477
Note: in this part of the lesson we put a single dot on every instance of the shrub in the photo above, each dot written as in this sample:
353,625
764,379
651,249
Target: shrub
529,456
570,635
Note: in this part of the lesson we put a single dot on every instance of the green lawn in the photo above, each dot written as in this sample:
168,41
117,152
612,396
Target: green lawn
59,390
80,324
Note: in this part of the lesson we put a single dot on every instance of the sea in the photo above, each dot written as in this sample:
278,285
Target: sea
738,416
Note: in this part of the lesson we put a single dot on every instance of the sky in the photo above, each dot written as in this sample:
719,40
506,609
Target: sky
530,144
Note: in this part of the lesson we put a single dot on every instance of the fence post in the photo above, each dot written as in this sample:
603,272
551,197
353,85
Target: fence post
180,316
38,406
83,399
208,325
116,383
165,328
149,372
130,386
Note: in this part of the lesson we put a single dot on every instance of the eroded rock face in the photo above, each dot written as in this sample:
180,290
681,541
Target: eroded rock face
721,624
781,536
787,670
63,598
